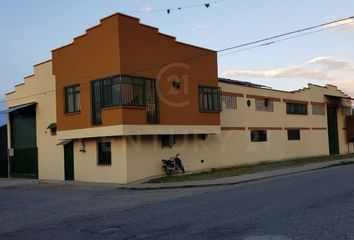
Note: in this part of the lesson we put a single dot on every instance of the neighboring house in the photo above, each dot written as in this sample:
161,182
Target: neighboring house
32,127
123,96
273,125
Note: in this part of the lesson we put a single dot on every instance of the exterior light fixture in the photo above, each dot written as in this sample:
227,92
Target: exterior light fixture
82,145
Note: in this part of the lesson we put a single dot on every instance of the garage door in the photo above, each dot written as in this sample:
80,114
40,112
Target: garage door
24,163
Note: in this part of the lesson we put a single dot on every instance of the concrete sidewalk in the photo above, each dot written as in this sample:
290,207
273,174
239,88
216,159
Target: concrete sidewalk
14,182
239,179
57,184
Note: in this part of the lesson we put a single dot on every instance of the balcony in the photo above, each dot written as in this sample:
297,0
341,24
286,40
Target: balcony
116,93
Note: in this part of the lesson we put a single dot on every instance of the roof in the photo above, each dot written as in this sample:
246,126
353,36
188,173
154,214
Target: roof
141,24
242,83
9,110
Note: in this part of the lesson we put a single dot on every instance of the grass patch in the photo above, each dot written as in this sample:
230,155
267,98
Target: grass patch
247,169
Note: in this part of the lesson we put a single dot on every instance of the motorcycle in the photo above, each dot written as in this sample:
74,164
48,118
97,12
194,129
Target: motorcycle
173,164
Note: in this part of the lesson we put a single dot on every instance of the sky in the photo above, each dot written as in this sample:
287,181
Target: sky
30,29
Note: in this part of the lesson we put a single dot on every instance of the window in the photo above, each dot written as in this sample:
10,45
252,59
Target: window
119,91
229,102
293,134
176,85
209,99
258,136
72,99
104,153
264,105
296,108
123,90
167,140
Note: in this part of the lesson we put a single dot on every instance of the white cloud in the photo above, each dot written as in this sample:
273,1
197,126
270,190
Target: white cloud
342,26
200,27
336,71
332,63
146,8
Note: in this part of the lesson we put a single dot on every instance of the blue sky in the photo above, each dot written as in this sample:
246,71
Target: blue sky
30,29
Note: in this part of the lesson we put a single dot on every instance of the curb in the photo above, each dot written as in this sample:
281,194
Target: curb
238,179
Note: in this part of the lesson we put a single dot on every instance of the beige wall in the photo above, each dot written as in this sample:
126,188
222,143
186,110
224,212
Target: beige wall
137,154
229,148
130,130
135,157
86,167
245,116
40,88
234,147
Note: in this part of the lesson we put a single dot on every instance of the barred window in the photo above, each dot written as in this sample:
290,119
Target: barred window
259,136
296,108
293,134
72,99
229,102
167,140
265,105
123,90
104,153
209,99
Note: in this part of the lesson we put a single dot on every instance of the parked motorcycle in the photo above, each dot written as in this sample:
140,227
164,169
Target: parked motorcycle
173,164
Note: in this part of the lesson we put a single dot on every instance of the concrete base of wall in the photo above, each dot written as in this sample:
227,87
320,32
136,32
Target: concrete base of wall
139,157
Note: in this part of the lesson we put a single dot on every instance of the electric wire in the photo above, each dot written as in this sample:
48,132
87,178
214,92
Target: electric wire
284,39
322,26
168,10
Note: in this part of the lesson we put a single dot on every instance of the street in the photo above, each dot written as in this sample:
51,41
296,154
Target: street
315,205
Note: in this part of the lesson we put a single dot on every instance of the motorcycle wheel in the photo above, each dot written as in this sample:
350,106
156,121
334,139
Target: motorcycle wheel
167,170
179,164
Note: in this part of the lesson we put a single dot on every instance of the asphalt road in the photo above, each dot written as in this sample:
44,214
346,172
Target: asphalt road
316,205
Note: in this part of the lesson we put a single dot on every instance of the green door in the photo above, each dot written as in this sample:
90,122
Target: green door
332,130
69,161
24,163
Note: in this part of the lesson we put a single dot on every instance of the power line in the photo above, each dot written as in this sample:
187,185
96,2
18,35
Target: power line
169,10
288,33
322,26
284,39
250,43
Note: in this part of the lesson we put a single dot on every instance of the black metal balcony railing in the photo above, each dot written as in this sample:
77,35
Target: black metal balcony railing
123,90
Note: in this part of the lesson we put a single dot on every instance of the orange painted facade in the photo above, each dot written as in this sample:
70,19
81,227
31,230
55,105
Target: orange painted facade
120,45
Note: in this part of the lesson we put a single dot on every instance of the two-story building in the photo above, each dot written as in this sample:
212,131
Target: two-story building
110,105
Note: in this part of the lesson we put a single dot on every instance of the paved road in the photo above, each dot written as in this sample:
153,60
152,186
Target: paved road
317,205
